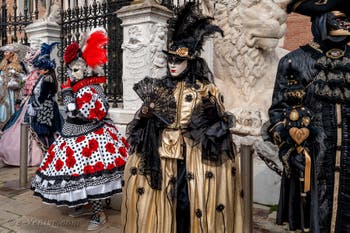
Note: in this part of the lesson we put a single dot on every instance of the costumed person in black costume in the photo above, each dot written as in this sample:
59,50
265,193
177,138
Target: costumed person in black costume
43,113
85,164
310,121
182,175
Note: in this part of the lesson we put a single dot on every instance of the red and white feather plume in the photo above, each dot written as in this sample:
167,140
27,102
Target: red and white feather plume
95,52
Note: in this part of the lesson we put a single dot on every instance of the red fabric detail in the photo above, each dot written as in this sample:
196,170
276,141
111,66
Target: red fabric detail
79,102
69,151
99,131
40,169
95,52
75,175
45,166
71,52
51,147
119,162
66,84
96,113
110,147
113,135
50,157
99,166
86,152
122,151
80,139
88,169
63,144
86,97
70,161
93,144
110,166
88,81
59,164
125,142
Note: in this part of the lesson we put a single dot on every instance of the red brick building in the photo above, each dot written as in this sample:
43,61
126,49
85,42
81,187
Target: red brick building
298,31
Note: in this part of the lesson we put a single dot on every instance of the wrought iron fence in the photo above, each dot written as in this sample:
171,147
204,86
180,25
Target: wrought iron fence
75,21
13,23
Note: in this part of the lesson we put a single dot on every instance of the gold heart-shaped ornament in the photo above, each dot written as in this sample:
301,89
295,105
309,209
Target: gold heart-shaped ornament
299,135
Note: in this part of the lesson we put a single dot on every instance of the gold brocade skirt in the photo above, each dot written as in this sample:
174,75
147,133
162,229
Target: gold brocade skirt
214,195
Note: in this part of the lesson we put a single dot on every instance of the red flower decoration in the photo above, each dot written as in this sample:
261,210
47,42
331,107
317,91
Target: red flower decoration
86,97
125,142
98,104
69,151
80,139
45,166
75,175
110,166
63,144
100,114
122,151
79,102
93,90
71,52
110,147
113,135
86,152
119,162
51,152
51,148
59,164
93,144
99,131
99,166
40,169
88,169
50,158
70,161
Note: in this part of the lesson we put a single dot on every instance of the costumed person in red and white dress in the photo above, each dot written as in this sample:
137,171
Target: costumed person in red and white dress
85,164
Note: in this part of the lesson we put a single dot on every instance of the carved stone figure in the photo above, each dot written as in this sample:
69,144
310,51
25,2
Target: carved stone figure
52,13
245,61
245,65
157,45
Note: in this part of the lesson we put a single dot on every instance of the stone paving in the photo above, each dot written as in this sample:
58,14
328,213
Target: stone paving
20,212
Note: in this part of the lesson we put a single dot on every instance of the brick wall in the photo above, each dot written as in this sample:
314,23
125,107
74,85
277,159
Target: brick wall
298,31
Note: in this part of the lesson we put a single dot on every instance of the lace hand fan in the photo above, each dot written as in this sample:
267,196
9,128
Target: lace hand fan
158,98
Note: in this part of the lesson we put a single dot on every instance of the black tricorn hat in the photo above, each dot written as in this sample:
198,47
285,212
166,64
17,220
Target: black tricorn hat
318,7
188,31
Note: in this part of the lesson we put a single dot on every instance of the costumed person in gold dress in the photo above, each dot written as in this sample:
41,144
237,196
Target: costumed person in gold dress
181,176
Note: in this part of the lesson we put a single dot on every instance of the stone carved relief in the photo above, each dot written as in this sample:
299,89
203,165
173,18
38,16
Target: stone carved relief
52,13
246,59
157,45
135,50
245,66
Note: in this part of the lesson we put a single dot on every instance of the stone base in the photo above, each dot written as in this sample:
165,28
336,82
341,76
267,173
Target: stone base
121,117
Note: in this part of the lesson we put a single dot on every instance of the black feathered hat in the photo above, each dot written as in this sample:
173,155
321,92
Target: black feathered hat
188,31
318,7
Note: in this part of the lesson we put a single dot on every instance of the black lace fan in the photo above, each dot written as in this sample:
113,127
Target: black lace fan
158,98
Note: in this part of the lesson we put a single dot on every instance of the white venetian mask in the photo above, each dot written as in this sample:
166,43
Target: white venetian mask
176,65
78,69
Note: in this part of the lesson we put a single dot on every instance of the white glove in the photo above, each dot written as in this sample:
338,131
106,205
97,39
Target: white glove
31,110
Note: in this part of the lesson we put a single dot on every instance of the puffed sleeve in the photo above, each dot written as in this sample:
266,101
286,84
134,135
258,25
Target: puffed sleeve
90,104
277,130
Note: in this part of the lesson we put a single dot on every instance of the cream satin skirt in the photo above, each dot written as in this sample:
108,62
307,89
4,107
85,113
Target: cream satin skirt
214,195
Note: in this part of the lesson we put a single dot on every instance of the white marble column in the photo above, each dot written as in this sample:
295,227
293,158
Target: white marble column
144,28
44,31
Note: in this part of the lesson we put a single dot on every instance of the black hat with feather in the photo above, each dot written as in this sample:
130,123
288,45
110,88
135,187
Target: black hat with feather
188,31
318,7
